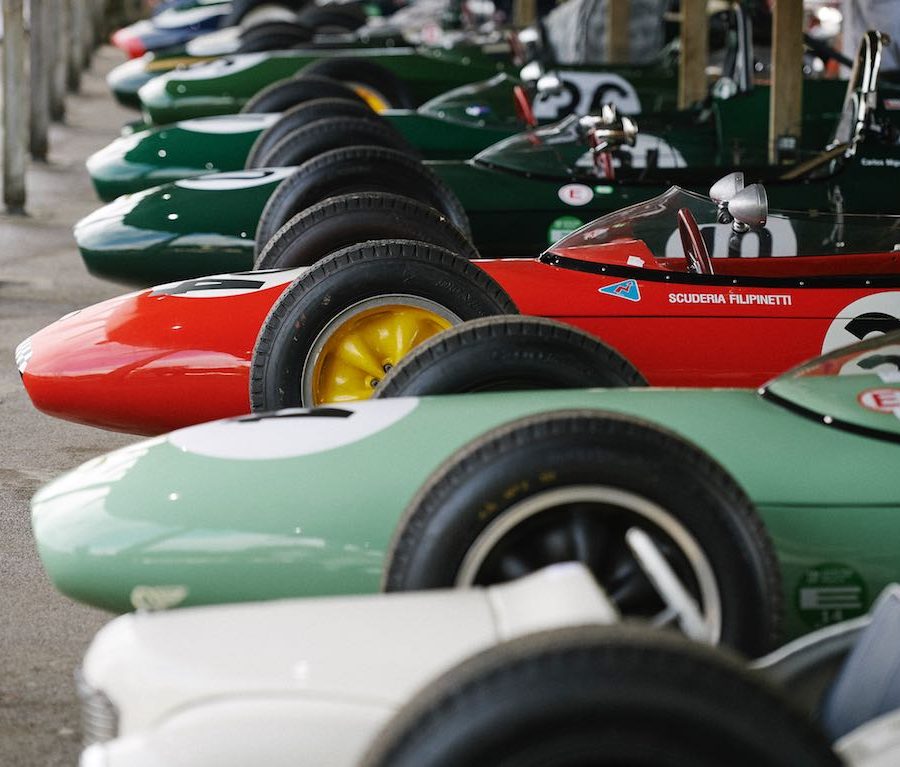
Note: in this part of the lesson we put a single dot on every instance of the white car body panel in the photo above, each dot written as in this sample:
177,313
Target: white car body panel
311,680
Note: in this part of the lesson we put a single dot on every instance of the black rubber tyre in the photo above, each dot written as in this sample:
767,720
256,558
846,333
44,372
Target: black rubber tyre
334,291
569,485
284,94
304,114
367,75
329,133
597,696
357,169
506,354
339,222
273,36
333,18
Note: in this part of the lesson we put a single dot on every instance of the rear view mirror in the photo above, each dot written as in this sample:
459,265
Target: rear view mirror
726,187
749,208
550,85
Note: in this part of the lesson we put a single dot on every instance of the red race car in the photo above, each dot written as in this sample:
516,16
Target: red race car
691,290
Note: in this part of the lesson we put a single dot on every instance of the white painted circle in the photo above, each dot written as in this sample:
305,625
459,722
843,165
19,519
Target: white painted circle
583,91
242,179
576,194
229,124
783,240
224,285
847,327
292,432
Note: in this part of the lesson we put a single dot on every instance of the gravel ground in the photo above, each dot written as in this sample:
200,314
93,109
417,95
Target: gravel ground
42,634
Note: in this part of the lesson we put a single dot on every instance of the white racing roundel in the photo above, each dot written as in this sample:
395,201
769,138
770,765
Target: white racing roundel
293,432
585,92
865,318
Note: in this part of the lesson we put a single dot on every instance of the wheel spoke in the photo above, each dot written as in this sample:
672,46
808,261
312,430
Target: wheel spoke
355,352
666,582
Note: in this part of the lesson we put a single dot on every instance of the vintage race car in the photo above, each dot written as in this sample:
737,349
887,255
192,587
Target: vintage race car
174,25
223,686
747,303
456,126
410,493
515,197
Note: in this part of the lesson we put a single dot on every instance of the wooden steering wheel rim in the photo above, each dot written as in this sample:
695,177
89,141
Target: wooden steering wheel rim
692,241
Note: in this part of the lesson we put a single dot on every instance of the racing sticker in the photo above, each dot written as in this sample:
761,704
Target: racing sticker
227,182
562,226
576,194
866,317
584,93
292,432
223,285
885,401
830,593
627,289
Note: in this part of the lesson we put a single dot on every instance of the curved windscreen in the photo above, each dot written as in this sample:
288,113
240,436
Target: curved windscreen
786,233
855,387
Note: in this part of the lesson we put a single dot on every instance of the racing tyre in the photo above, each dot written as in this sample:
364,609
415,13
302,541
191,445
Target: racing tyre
273,36
357,169
380,87
332,133
508,353
346,17
355,218
664,529
343,323
285,94
596,696
302,115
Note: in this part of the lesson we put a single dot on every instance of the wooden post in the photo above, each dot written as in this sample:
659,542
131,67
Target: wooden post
87,32
524,12
14,110
617,37
76,45
692,58
59,17
39,76
786,95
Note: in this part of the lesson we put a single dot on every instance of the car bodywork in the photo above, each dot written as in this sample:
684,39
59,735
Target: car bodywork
805,283
261,506
456,126
519,194
314,690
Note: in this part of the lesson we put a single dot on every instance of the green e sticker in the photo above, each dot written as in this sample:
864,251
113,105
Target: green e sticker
562,226
830,593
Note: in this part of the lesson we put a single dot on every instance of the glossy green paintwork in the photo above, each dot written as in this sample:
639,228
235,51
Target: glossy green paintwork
227,530
224,86
453,126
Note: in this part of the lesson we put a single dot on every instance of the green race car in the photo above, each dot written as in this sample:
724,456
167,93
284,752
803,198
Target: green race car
515,197
704,487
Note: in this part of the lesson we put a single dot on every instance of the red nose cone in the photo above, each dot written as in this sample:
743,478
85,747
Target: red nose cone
126,41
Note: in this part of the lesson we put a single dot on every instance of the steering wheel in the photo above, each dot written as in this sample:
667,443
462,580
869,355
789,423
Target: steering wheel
695,250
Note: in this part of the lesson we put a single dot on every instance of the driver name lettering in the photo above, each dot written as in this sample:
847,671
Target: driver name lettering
877,162
740,299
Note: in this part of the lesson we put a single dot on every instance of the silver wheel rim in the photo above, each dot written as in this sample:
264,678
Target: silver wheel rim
702,622
389,299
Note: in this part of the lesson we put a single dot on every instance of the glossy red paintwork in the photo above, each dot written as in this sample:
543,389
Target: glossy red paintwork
149,363
130,44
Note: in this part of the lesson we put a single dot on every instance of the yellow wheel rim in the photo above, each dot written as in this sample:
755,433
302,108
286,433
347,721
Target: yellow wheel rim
356,349
372,97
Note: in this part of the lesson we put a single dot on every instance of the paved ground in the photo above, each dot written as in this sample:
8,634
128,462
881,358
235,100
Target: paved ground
42,634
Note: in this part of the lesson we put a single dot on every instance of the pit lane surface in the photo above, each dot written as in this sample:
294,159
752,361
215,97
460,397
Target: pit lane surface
42,634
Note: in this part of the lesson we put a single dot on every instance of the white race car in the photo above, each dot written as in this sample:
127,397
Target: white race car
537,671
